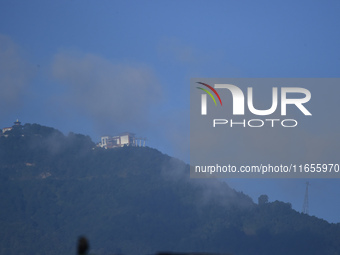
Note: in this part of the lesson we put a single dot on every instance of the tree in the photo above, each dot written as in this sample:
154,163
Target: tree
263,199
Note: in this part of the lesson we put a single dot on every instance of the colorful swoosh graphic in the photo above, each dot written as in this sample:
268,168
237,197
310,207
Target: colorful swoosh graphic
208,92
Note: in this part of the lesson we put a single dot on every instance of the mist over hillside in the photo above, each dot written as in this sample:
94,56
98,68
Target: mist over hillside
132,200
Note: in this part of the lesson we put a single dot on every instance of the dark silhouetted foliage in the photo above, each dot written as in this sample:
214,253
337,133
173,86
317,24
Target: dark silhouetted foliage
54,188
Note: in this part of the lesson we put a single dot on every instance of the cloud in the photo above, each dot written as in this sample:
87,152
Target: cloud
15,74
116,96
208,190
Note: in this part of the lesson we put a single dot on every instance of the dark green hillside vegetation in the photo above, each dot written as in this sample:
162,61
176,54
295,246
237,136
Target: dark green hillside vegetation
131,200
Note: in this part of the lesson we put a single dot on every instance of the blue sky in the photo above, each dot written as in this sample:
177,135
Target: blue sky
104,67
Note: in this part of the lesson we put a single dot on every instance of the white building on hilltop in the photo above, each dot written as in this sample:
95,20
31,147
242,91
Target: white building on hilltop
6,129
125,139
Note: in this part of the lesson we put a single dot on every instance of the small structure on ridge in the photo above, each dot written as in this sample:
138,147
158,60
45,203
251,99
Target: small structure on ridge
124,139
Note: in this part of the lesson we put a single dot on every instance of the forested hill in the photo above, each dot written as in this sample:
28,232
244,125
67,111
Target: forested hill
131,200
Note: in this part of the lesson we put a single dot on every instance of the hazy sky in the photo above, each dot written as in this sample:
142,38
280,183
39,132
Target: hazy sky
104,67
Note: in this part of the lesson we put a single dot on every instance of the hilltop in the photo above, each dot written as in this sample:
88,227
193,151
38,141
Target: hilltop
132,200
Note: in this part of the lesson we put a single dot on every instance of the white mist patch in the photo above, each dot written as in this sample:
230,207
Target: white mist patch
15,72
111,94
